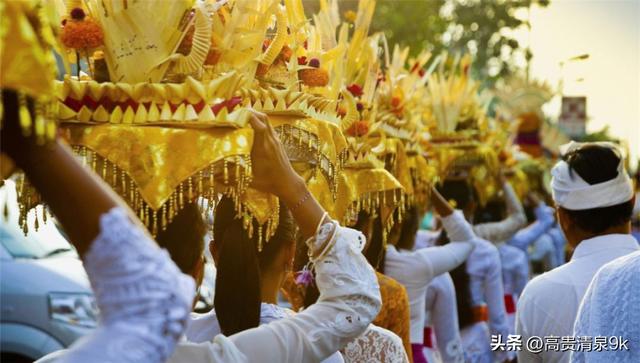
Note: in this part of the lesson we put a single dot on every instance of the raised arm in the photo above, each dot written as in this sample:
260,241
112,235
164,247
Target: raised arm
75,196
503,230
349,292
445,258
349,301
143,298
526,236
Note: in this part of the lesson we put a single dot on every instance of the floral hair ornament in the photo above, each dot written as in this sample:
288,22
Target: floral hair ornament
326,232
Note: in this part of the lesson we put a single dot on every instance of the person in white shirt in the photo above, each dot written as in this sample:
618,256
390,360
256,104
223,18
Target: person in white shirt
499,231
543,254
442,339
144,300
541,220
594,198
611,308
415,269
559,242
484,270
376,344
492,226
248,279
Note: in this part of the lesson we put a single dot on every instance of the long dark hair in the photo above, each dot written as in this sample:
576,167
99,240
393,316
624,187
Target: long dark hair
375,253
374,250
493,211
409,228
458,190
237,297
184,236
462,283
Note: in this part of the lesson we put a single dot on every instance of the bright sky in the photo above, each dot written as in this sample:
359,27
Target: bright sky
609,31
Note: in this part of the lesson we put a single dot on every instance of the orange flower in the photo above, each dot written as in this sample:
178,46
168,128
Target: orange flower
396,106
316,77
82,35
358,128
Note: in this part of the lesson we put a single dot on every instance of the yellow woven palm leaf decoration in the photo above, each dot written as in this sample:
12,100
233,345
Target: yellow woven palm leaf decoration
137,40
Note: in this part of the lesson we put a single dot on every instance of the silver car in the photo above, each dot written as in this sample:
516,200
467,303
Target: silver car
46,302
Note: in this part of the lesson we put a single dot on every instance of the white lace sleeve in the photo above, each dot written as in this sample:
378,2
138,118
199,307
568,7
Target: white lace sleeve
376,345
144,299
349,301
610,308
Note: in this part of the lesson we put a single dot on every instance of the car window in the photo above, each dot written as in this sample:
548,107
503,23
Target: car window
46,241
18,245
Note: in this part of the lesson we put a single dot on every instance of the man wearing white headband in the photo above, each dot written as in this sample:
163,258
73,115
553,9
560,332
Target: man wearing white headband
594,200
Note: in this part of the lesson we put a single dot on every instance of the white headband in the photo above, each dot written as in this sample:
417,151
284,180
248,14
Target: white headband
570,191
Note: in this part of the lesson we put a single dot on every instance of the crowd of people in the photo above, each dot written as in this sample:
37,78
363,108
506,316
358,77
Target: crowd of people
418,243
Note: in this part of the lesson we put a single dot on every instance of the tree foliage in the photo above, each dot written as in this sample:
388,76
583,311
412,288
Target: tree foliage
482,27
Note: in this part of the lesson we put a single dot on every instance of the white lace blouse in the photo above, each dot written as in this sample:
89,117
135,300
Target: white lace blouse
415,269
145,302
376,345
143,297
203,328
475,342
515,269
349,301
611,308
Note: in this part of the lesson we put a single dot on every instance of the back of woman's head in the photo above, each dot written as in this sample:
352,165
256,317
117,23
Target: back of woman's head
458,190
375,252
410,223
183,238
493,211
237,297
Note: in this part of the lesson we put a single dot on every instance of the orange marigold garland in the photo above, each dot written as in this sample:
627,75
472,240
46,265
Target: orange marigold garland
80,32
314,76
